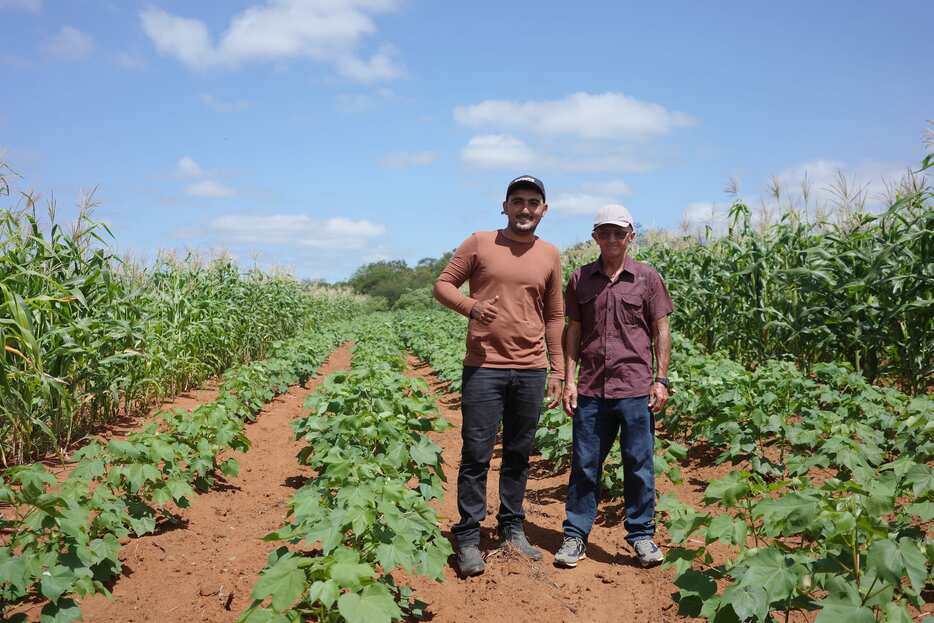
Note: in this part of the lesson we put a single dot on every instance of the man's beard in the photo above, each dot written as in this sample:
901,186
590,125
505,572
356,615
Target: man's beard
528,227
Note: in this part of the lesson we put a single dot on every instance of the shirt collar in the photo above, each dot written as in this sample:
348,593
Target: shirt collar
596,267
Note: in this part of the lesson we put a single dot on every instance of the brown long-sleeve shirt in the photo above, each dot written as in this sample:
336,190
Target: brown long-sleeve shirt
527,277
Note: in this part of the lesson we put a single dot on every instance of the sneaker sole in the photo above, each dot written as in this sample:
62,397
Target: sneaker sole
650,563
569,565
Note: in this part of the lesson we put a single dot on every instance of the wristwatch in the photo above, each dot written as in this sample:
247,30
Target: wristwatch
663,380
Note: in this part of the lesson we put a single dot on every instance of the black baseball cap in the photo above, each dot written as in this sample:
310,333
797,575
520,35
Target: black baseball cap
526,181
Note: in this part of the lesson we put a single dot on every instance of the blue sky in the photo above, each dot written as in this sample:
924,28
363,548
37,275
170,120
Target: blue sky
321,134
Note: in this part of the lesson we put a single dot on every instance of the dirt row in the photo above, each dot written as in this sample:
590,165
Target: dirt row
204,568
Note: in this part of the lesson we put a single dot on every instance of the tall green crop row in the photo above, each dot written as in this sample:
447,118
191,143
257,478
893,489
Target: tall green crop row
860,292
365,514
61,540
83,341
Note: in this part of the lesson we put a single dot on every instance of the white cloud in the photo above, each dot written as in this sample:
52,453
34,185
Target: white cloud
324,30
26,5
298,230
380,66
591,197
494,151
70,44
223,106
504,151
131,61
407,159
581,115
187,167
186,39
210,189
576,204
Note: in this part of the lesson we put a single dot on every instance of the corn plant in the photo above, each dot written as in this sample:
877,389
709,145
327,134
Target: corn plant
85,340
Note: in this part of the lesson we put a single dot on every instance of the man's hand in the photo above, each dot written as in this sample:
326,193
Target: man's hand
570,398
553,392
485,311
658,396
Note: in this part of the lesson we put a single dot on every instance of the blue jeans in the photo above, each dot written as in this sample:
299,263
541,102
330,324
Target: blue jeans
596,424
490,396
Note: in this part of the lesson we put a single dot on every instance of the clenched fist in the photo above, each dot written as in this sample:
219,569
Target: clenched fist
485,311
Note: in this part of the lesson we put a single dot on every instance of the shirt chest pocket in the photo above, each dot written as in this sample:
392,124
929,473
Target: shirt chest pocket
629,308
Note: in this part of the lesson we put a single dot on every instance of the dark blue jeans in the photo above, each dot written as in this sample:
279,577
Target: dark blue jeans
596,424
490,396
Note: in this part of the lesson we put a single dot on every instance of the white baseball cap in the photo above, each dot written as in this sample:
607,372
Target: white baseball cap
613,214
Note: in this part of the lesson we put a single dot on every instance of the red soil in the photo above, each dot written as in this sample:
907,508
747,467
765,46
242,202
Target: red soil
205,569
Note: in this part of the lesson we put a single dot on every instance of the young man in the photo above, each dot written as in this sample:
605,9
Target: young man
515,300
618,314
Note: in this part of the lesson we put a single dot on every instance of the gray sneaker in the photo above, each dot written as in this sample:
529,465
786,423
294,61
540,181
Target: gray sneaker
572,551
470,560
647,552
515,536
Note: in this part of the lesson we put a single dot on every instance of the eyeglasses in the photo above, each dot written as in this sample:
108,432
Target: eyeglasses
607,234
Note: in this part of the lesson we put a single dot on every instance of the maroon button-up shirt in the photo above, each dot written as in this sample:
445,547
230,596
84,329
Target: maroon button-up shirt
616,327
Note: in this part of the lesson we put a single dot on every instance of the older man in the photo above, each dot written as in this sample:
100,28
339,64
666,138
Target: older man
618,318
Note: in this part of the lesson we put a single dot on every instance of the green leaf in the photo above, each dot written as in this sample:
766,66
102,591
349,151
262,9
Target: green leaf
351,575
727,491
748,602
896,613
914,561
425,452
179,489
373,605
230,468
56,582
392,555
885,560
890,561
771,570
13,570
726,529
64,611
142,525
922,510
325,592
788,515
921,479
839,611
284,581
696,588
